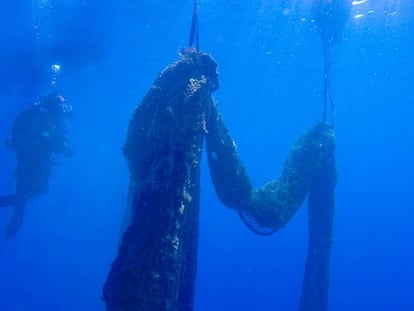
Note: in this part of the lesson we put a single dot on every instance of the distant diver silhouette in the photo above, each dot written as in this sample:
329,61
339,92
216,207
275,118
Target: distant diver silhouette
156,264
38,135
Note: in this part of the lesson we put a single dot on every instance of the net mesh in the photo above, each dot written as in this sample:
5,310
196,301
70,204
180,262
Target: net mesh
254,226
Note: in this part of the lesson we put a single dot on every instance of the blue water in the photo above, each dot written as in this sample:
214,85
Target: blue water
270,60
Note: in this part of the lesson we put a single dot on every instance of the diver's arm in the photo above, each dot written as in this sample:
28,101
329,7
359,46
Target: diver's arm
67,149
57,135
64,148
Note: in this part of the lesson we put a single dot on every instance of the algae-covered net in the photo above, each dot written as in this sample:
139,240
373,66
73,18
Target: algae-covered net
251,222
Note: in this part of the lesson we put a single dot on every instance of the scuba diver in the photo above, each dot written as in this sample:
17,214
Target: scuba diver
38,136
155,268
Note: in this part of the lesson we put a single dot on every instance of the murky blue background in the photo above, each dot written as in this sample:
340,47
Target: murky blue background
270,59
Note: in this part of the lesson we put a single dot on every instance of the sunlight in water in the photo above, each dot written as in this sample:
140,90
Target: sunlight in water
360,8
363,8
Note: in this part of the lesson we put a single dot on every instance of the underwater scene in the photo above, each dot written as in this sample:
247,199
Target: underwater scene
197,155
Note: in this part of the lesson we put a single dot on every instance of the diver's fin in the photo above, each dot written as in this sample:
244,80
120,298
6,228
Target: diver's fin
7,200
15,221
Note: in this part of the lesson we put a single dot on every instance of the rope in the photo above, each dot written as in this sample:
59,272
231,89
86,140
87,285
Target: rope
327,92
194,27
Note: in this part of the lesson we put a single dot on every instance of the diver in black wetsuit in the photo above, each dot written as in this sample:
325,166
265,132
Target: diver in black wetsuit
38,135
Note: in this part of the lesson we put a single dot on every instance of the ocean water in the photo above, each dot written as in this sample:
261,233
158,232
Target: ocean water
271,68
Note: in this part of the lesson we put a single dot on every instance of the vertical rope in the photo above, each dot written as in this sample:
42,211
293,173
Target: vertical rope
194,27
327,91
